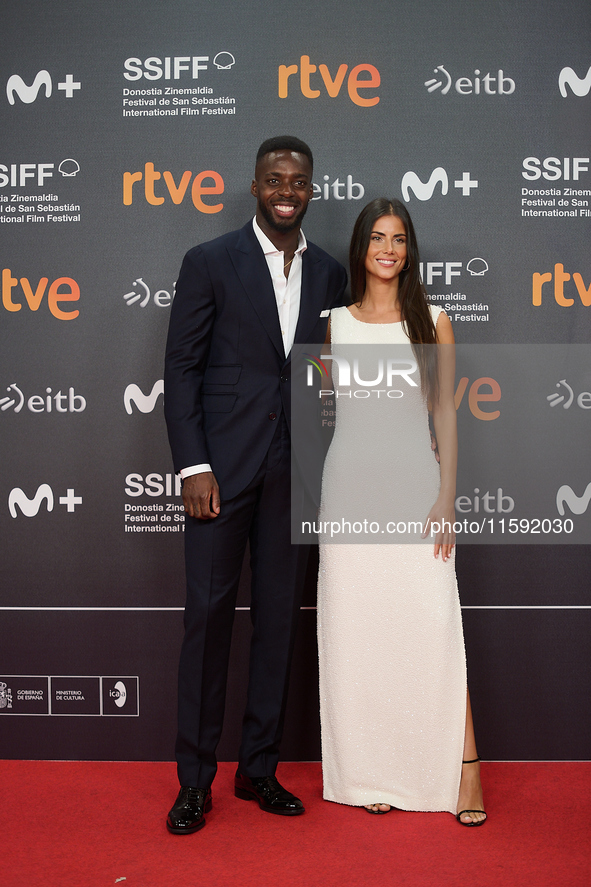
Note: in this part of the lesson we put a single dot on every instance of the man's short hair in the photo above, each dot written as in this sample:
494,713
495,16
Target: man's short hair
284,143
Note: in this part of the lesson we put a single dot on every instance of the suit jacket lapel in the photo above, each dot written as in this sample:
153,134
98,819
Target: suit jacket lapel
251,267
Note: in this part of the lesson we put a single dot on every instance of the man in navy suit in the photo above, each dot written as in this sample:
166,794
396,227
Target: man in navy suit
241,302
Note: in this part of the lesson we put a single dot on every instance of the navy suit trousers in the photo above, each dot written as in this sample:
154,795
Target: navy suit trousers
214,553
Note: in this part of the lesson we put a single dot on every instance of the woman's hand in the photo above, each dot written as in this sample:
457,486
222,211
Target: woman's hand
439,525
440,520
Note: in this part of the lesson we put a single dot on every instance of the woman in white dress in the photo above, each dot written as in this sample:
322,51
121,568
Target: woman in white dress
395,712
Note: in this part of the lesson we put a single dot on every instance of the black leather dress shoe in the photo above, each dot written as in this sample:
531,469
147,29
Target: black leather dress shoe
271,796
188,813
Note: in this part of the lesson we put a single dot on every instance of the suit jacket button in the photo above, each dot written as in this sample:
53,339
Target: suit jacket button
284,378
272,415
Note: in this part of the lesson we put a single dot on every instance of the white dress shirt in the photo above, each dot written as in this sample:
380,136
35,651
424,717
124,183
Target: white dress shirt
287,295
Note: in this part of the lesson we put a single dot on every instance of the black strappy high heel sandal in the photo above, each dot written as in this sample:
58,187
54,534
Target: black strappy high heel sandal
471,824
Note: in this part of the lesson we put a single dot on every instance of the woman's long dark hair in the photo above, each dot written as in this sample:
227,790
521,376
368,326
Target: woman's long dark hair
414,307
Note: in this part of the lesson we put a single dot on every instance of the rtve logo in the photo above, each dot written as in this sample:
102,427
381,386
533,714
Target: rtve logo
355,82
176,192
468,86
477,395
425,190
145,403
62,289
44,494
580,86
27,94
560,278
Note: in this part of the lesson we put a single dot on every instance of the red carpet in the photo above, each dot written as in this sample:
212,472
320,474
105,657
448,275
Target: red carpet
94,824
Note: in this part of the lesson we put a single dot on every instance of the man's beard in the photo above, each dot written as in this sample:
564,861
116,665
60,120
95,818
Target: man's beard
282,226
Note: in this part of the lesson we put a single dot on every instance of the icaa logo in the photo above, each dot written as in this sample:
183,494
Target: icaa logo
119,694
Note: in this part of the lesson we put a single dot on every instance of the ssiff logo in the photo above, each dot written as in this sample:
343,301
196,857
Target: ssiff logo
175,67
27,94
580,86
555,168
476,267
18,174
425,190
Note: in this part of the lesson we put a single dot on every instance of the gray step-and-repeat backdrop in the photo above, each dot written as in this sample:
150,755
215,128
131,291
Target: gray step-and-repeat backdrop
129,131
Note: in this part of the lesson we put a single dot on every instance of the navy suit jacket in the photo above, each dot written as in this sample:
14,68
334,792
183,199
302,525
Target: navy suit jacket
227,380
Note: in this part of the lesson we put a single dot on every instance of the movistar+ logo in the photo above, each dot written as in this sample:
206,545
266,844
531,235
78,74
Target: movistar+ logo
580,86
42,81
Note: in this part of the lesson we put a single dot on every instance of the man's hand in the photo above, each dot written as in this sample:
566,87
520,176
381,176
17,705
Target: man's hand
201,495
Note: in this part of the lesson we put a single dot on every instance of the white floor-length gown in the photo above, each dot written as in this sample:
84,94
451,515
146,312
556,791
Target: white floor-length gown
391,648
